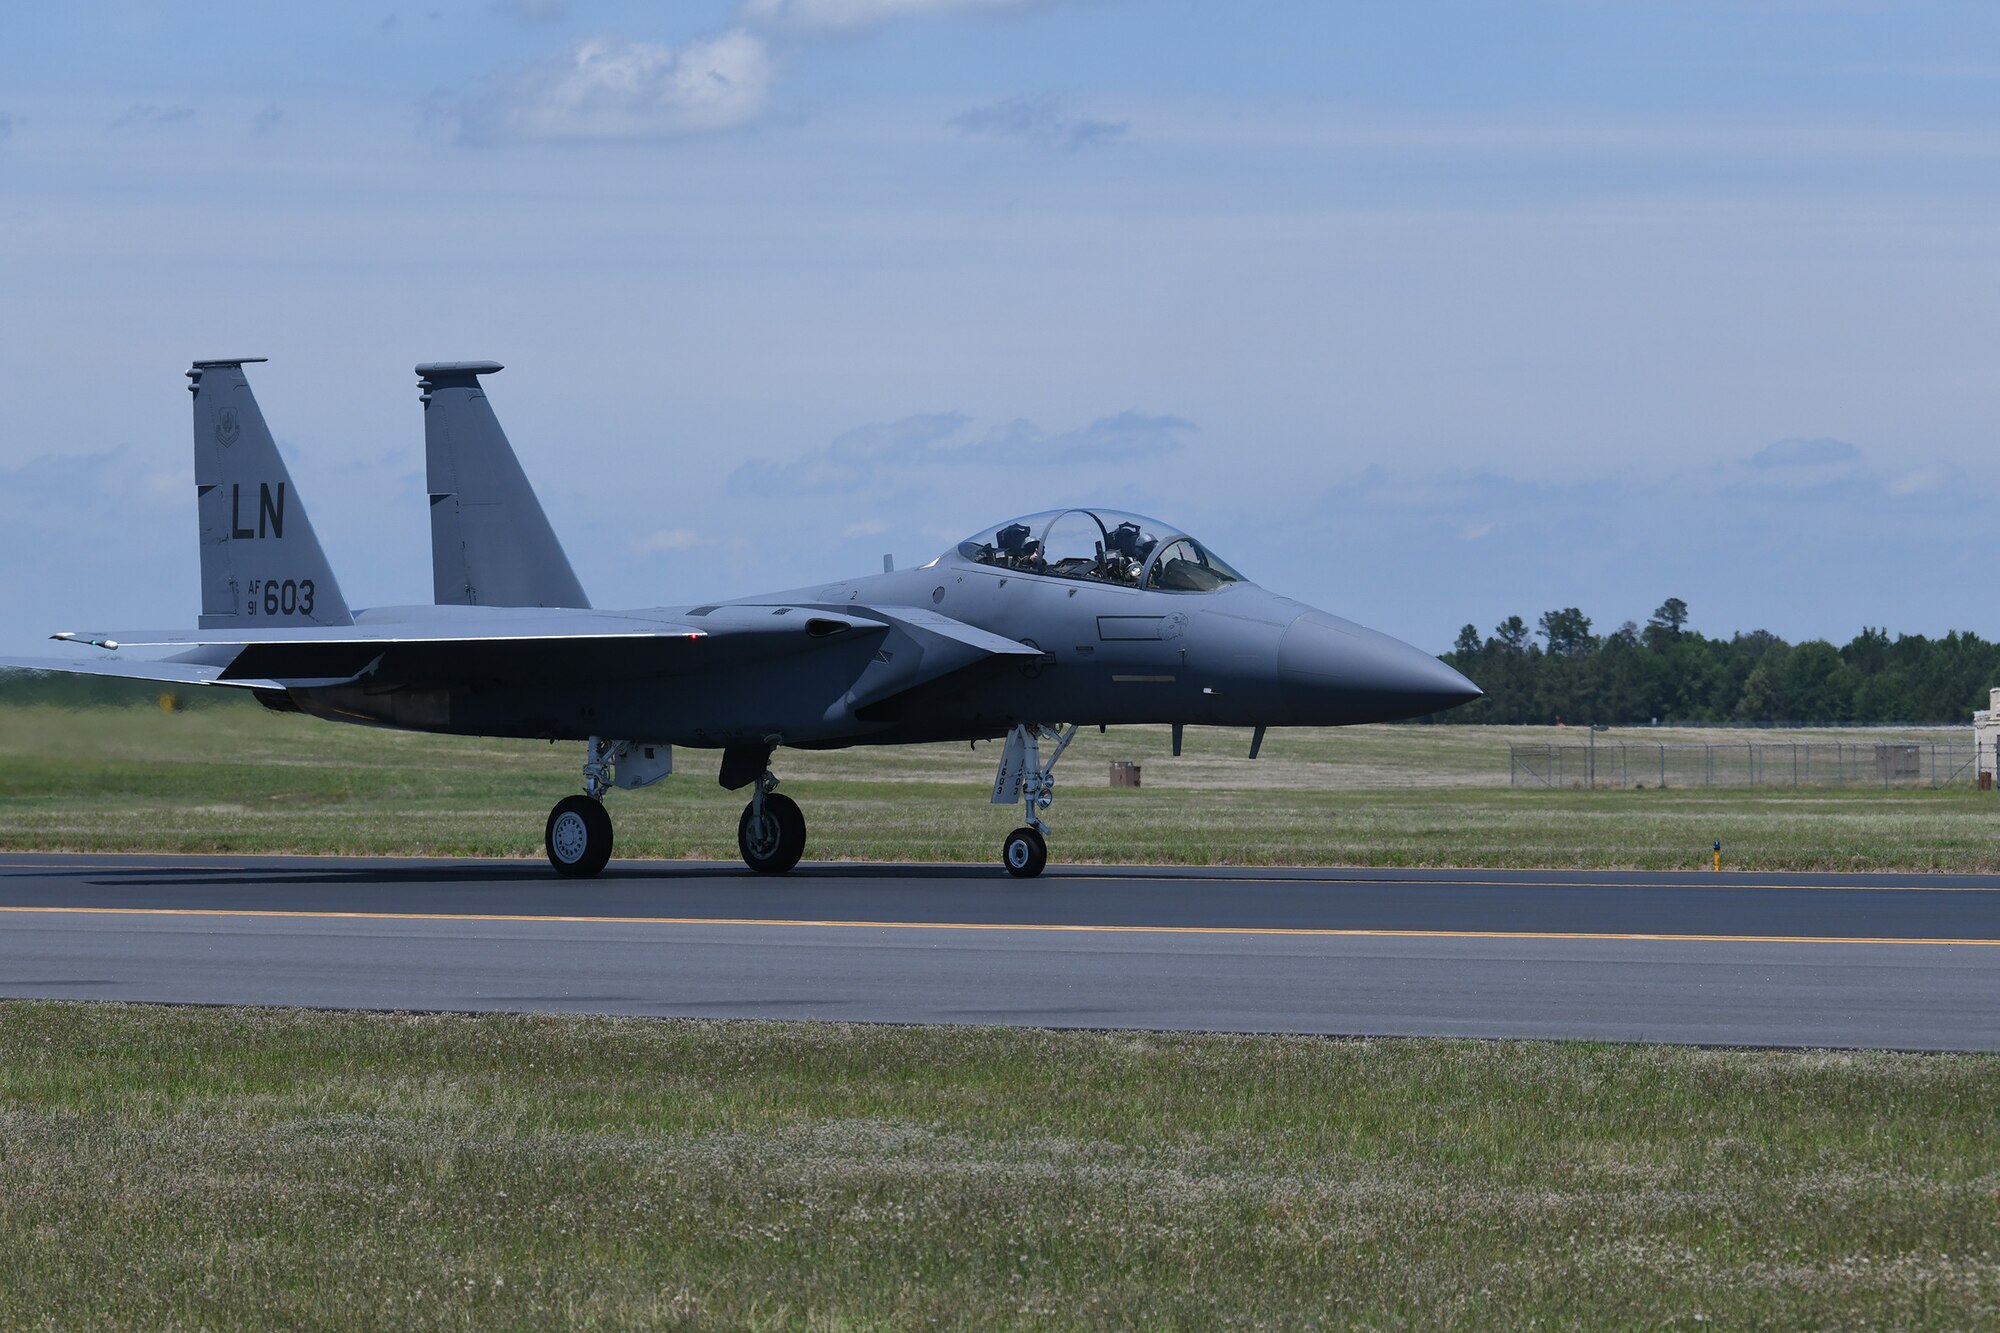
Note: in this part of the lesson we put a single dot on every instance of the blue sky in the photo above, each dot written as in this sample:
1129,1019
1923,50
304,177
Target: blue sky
1425,313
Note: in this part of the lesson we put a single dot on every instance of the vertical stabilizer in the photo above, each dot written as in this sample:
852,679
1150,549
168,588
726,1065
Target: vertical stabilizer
261,565
491,544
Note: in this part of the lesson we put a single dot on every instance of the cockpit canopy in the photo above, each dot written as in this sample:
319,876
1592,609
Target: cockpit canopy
1101,546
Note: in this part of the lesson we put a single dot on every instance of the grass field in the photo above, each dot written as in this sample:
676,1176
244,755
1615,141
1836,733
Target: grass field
164,1168
242,779
214,1168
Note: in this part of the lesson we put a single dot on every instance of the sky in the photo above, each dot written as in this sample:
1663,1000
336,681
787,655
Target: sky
1426,314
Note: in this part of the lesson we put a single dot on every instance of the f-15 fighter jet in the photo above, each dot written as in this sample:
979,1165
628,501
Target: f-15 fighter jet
1024,631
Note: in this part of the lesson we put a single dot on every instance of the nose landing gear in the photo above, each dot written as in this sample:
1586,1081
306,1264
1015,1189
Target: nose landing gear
1024,777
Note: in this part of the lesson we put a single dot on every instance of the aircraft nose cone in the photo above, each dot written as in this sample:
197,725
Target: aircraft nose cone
1332,671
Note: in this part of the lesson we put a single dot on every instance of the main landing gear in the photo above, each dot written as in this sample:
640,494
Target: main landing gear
772,832
578,837
771,835
1024,777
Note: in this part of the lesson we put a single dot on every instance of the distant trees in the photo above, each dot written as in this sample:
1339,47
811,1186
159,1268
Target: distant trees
1668,671
1568,632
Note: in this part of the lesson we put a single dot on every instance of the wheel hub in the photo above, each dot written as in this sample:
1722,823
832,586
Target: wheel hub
570,837
764,836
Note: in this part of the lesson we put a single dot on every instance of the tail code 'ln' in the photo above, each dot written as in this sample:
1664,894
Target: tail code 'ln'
261,564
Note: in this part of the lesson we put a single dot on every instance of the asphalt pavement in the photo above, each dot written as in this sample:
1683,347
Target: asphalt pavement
1887,960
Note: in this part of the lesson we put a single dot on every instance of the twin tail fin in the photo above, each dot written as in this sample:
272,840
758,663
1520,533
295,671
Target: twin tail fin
261,564
491,544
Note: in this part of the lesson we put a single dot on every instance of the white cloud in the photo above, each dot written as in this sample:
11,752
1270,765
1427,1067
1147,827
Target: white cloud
146,116
854,459
835,14
1804,453
1922,480
868,454
1044,121
609,88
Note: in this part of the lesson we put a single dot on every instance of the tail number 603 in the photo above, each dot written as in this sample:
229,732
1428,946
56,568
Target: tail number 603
288,597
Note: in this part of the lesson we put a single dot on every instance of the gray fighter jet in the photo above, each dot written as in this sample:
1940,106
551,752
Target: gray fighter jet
1025,631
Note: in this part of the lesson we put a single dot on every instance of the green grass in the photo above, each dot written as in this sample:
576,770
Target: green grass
243,780
227,1168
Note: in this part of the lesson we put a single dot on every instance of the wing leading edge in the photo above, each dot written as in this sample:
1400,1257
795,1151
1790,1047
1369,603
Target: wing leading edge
537,647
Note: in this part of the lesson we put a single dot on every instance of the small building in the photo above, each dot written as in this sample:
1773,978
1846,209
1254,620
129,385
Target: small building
1986,741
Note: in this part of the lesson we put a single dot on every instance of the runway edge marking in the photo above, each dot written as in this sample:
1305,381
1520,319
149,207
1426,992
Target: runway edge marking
1328,932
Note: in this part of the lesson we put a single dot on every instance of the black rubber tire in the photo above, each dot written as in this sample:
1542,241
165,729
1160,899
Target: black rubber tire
578,837
1024,853
783,839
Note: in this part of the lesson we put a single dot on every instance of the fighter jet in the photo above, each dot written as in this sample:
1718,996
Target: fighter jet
1023,632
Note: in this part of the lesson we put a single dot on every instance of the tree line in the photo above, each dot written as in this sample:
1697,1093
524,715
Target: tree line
1564,671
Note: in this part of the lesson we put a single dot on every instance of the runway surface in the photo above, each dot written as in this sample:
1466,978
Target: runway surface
1902,961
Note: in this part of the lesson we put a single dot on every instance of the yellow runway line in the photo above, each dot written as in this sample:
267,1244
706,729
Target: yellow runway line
1032,927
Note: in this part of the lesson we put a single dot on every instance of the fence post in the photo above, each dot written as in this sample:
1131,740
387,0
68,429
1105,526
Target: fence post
1663,767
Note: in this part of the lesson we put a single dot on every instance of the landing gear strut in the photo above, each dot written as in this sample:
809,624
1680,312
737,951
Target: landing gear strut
578,837
1024,777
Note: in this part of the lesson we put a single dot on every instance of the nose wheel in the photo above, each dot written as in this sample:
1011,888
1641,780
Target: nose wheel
578,837
1025,777
1024,853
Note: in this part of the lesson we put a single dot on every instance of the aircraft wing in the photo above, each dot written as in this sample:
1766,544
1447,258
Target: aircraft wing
167,673
548,645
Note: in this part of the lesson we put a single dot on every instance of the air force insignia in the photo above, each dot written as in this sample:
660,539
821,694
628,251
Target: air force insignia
226,429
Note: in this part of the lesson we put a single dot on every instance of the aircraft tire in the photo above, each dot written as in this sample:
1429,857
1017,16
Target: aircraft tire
578,837
778,846
1024,853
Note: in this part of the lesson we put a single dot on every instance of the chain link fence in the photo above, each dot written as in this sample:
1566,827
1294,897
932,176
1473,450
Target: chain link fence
1745,764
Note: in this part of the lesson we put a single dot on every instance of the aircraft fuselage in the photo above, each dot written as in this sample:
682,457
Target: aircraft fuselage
1238,655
